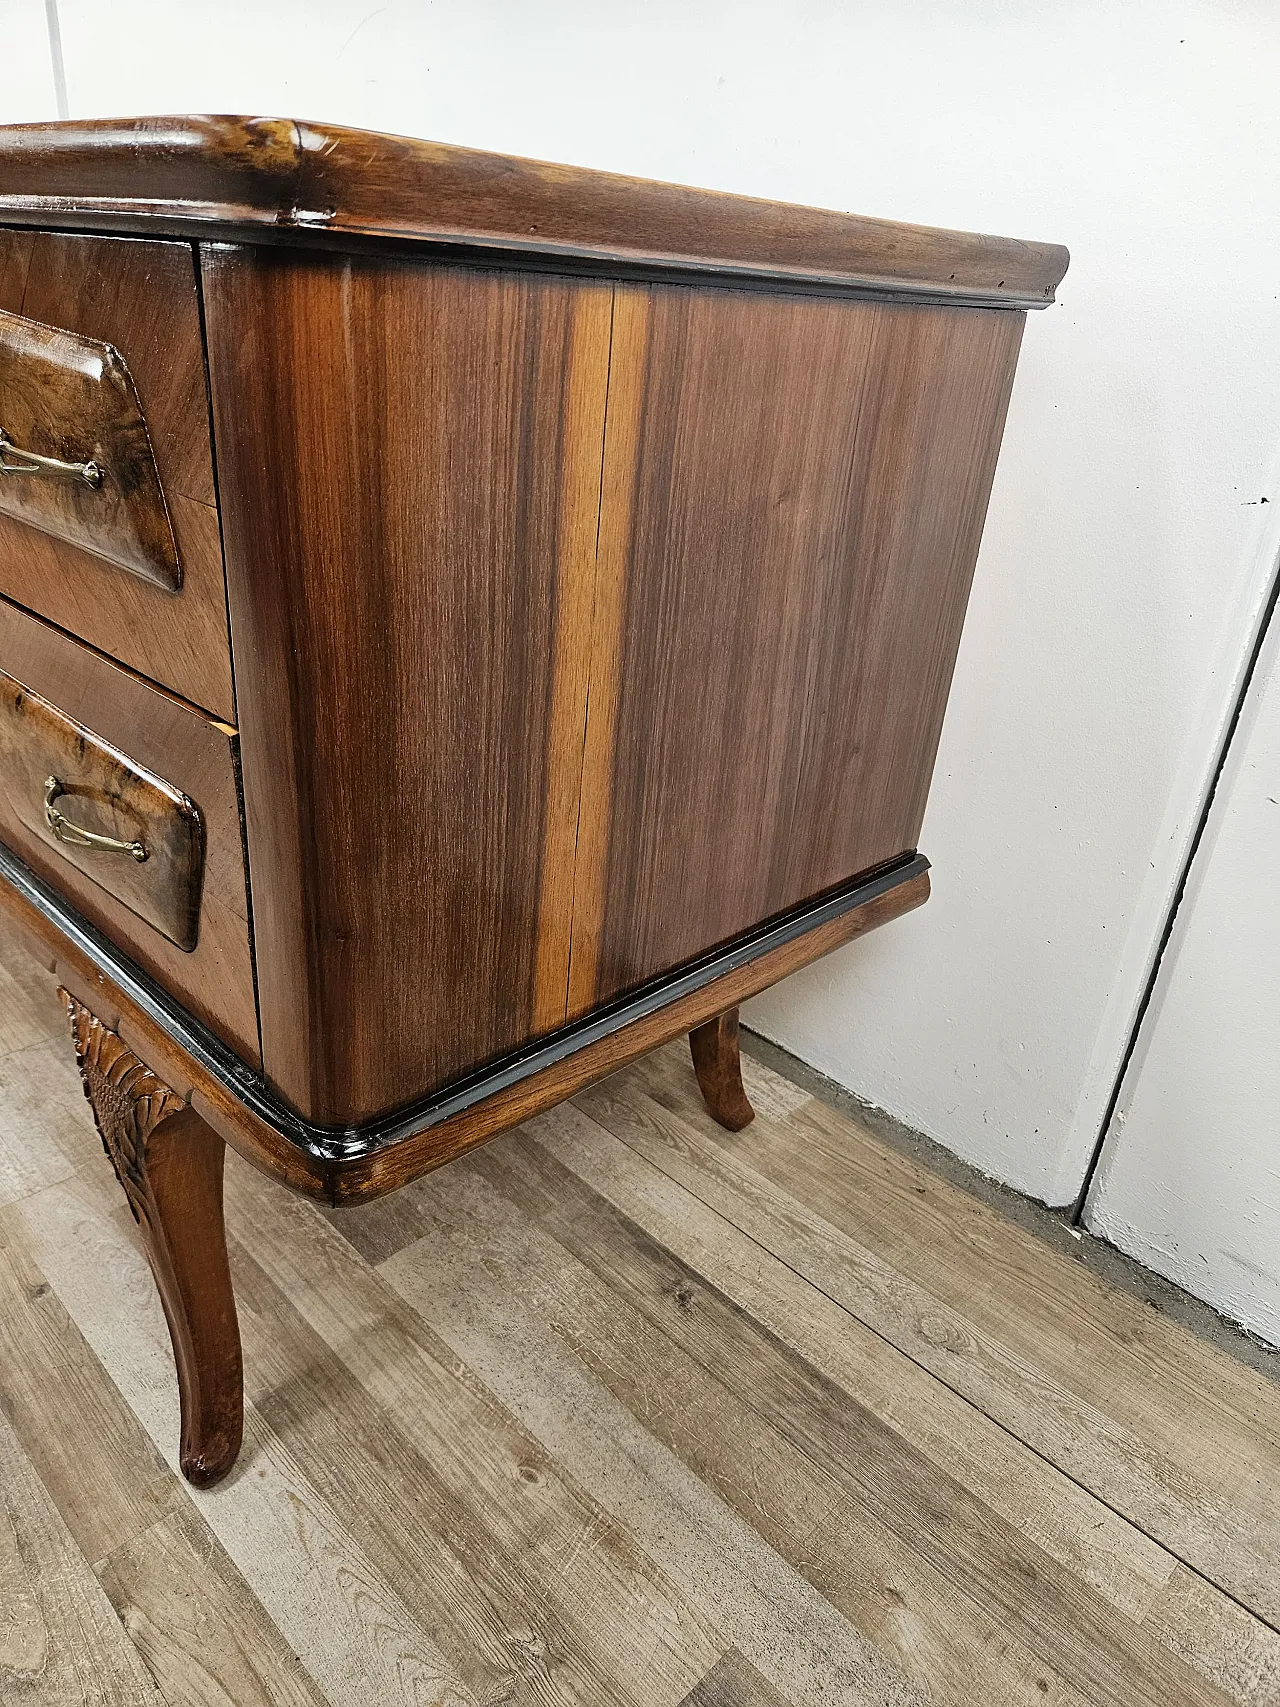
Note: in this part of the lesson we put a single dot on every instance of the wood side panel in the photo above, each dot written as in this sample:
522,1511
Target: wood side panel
159,733
806,502
139,296
792,497
394,572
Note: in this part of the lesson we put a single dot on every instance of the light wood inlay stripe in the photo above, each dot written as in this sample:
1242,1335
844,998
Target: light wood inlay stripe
617,495
581,451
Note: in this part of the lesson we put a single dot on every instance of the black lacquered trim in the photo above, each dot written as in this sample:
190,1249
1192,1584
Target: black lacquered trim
346,1143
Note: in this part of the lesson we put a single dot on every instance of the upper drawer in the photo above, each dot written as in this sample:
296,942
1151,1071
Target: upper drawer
127,801
101,359
75,455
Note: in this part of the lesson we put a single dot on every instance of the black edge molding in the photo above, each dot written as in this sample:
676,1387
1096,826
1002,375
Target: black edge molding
353,1143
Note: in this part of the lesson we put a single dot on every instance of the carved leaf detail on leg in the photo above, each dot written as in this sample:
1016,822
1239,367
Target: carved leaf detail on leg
170,1165
127,1099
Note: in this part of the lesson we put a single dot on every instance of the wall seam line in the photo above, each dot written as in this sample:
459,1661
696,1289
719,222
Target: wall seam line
1175,905
55,58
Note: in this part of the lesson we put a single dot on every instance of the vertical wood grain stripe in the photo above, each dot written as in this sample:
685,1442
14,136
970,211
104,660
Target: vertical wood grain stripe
582,447
617,496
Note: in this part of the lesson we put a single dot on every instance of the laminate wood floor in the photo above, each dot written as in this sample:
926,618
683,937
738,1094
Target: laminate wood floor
622,1411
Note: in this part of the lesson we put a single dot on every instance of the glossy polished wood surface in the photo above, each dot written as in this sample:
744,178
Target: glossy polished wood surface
385,1170
140,297
797,511
170,1166
596,558
157,732
717,1061
631,625
65,785
375,1172
72,400
299,178
395,569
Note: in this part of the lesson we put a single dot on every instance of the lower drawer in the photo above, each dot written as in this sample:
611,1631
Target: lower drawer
127,801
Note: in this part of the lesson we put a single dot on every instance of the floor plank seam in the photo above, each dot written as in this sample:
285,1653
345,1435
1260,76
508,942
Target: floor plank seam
932,1375
1109,1265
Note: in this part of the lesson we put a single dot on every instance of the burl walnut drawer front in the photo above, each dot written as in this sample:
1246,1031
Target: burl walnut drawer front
133,833
75,455
126,801
108,519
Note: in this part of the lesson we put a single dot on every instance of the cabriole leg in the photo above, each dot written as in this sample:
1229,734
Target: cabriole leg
718,1064
170,1165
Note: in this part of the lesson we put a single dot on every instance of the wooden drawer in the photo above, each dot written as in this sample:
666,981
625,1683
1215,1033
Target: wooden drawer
101,360
87,747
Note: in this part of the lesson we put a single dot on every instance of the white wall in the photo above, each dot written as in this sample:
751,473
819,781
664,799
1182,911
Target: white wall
26,70
1190,1177
1125,550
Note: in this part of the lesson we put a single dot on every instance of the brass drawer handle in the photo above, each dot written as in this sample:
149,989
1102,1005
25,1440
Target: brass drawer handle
74,836
89,472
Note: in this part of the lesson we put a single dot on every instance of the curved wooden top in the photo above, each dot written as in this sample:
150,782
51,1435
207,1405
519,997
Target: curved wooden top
217,175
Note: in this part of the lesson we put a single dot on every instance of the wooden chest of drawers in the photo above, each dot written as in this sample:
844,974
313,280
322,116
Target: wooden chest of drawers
462,622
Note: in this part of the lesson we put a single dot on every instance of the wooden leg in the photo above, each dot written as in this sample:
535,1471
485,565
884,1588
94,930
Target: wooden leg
170,1165
716,1061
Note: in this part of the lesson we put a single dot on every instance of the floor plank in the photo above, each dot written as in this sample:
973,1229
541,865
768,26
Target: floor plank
61,1644
476,1278
815,1267
107,1478
620,1411
944,1551
622,1148
30,1012
1165,1428
894,1595
348,1625
550,1580
1130,1571
45,1131
205,1637
733,1683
